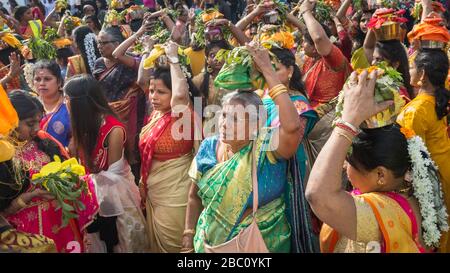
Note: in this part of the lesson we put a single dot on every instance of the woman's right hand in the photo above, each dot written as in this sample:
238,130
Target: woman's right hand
359,98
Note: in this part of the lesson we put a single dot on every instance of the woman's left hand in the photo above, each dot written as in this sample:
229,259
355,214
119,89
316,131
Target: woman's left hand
359,98
171,49
260,56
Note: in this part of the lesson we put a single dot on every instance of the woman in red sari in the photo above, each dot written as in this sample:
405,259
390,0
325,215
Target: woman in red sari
166,158
38,215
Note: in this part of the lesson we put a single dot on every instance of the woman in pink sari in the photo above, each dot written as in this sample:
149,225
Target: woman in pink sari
38,213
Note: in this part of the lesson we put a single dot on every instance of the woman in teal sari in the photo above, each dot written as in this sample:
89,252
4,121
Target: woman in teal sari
220,199
299,212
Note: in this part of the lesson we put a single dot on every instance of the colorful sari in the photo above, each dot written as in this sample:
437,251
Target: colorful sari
41,216
57,124
300,216
226,192
165,166
385,223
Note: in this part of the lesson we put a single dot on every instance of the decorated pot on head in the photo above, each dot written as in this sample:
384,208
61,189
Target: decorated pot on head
387,87
430,33
387,24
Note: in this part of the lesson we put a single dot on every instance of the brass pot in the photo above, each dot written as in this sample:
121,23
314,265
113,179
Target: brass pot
390,31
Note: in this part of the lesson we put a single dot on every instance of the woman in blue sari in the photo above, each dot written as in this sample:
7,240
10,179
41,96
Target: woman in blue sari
220,198
299,212
48,84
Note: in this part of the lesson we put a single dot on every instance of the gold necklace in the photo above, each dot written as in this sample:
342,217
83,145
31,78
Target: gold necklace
58,103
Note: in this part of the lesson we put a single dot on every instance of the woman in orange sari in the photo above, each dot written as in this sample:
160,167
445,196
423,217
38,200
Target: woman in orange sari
396,205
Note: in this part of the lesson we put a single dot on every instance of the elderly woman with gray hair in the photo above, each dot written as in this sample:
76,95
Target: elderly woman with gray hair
221,198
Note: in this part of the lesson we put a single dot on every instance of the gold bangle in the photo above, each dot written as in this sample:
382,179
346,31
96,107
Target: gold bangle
345,136
273,92
189,231
187,250
21,203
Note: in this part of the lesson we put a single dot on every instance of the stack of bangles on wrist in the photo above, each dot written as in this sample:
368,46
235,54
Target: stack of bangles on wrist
277,90
347,127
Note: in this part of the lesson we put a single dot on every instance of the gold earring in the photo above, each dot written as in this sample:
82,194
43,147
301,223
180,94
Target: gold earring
380,182
420,83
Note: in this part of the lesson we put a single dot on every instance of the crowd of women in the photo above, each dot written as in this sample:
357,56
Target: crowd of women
323,122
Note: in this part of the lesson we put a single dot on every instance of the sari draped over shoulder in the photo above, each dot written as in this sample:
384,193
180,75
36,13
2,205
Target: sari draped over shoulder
226,192
299,212
165,166
118,196
41,216
57,124
385,224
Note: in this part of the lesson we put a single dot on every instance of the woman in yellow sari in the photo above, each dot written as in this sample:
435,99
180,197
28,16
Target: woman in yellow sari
389,211
165,159
87,52
427,113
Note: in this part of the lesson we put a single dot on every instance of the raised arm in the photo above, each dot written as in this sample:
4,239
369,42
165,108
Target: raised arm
318,35
296,22
180,87
144,74
247,20
120,52
12,23
369,45
427,8
48,21
340,14
324,192
237,33
289,133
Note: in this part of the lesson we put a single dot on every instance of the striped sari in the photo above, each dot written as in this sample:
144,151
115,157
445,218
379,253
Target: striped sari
226,192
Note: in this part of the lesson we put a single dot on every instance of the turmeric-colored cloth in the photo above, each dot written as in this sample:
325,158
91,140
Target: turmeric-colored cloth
420,116
382,225
359,59
197,60
75,66
12,240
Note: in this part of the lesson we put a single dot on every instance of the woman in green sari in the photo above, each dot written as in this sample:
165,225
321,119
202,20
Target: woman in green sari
220,198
